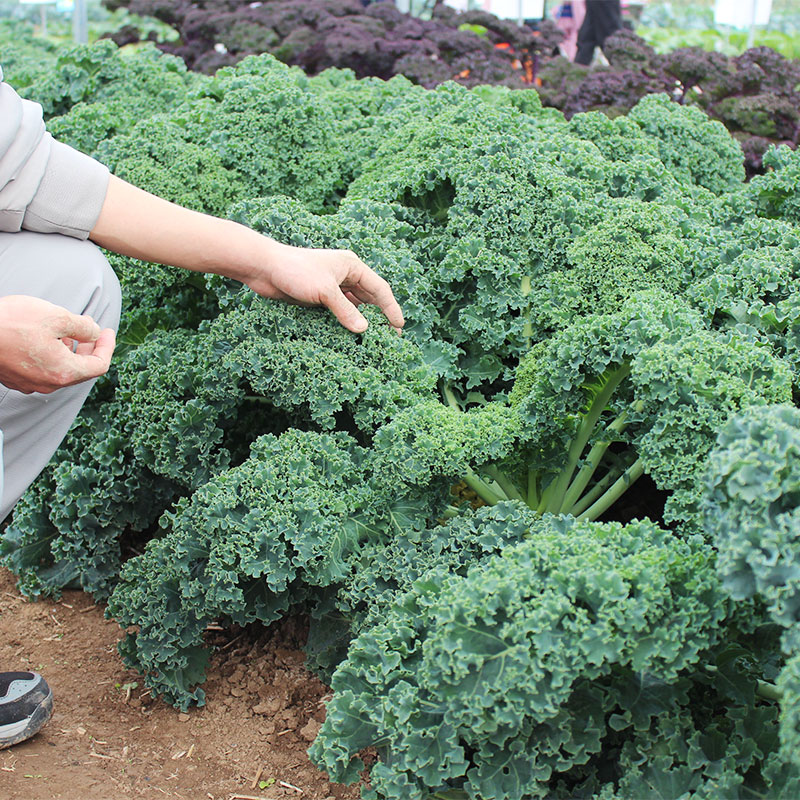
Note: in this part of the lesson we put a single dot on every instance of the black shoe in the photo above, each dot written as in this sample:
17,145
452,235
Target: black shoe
26,703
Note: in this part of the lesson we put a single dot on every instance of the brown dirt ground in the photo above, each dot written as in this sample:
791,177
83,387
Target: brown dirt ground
103,741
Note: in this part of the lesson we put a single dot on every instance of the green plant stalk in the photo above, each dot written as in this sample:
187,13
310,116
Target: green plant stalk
553,496
450,396
585,473
533,488
620,486
769,691
503,488
450,512
592,461
504,482
482,489
449,794
595,492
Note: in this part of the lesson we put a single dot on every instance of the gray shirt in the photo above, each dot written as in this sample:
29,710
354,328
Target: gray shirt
45,185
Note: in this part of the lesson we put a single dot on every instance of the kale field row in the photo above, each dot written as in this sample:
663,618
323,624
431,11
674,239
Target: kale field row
602,349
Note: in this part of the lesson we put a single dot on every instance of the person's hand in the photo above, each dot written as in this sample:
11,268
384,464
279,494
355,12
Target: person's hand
44,347
337,279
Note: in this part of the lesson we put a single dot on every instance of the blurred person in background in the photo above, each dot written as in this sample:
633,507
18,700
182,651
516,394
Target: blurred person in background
603,17
569,17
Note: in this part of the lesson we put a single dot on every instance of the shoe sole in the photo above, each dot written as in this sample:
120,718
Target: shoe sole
20,731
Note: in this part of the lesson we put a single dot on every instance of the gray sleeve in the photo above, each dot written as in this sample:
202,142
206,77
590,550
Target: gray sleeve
45,186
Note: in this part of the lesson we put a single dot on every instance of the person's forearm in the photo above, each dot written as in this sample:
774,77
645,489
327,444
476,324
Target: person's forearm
135,223
138,224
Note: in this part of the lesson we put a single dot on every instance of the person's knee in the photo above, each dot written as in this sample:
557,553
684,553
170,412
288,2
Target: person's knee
105,303
86,265
69,272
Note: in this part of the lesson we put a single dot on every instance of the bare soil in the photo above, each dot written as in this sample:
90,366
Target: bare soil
109,739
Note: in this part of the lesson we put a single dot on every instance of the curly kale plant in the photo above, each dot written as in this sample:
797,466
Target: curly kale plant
298,499
86,75
241,548
472,681
460,508
751,510
593,408
68,529
774,193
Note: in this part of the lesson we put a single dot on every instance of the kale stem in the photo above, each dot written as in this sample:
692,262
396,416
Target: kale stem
450,512
527,328
585,473
481,489
544,497
595,492
533,488
592,461
583,435
504,482
769,691
620,486
450,396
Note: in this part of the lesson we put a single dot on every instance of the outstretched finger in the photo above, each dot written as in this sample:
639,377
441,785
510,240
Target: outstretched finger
344,310
370,287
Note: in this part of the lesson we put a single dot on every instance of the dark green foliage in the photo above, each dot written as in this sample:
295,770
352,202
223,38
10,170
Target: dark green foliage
696,149
755,95
27,60
292,510
66,530
237,550
751,510
755,282
185,391
639,391
588,303
775,194
157,156
789,685
469,680
269,130
157,297
617,139
94,73
632,249
385,569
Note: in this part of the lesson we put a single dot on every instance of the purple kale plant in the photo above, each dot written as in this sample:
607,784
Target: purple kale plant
374,40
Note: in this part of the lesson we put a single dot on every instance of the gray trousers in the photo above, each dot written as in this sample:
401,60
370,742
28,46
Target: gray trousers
75,275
